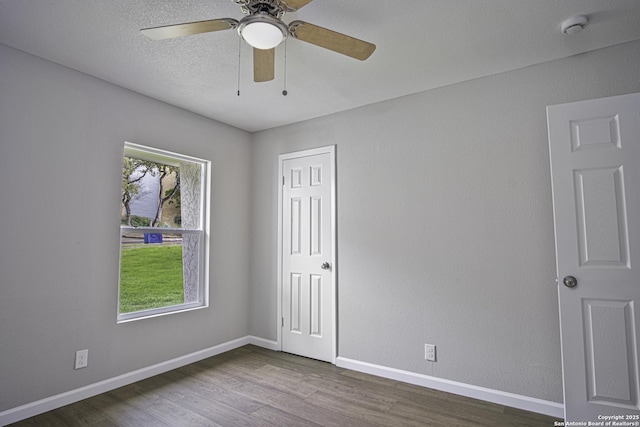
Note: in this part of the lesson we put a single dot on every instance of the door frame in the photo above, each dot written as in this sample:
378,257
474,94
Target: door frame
331,150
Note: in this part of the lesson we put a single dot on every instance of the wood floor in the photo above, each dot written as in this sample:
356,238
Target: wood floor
251,386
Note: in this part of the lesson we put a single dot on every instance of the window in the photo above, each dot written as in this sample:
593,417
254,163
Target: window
163,233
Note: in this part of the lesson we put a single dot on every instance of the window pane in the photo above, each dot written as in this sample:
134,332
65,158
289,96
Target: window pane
189,194
151,194
158,270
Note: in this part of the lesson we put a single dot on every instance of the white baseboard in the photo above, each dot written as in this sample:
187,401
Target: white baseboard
539,406
261,342
38,407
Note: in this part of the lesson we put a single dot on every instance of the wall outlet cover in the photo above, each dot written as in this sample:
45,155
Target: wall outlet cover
430,352
82,358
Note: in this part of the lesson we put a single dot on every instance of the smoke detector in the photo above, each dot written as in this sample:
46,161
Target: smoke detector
573,25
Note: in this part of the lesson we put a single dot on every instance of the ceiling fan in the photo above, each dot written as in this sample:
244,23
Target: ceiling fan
264,29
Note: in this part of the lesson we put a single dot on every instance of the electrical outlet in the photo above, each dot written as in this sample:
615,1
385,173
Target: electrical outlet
82,358
430,352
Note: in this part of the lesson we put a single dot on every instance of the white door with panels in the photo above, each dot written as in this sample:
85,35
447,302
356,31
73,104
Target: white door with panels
595,168
307,248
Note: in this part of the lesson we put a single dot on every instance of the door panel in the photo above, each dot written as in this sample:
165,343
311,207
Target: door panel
295,308
609,351
307,224
595,168
316,306
601,217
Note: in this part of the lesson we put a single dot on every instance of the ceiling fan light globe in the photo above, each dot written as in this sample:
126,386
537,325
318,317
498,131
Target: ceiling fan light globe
262,35
262,31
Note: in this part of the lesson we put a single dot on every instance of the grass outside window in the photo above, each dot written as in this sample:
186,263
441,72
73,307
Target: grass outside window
150,277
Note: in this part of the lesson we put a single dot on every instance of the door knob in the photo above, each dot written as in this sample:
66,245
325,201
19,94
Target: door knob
570,282
325,266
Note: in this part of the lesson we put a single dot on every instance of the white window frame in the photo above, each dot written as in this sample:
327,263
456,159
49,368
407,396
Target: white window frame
166,157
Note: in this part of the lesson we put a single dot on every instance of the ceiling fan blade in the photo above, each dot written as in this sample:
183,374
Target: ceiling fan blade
293,5
187,29
331,40
263,65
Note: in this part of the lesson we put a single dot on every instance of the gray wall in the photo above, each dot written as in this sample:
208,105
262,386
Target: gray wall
445,223
61,146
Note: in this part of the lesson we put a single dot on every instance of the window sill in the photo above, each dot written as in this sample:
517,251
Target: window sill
159,312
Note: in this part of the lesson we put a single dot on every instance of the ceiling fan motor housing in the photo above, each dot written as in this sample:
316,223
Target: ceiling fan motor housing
272,7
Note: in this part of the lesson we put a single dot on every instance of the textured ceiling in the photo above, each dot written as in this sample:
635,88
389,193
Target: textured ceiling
421,44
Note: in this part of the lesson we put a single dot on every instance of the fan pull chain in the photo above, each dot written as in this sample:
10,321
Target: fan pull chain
239,52
284,90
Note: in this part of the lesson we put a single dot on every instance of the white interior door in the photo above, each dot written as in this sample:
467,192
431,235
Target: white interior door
595,168
307,254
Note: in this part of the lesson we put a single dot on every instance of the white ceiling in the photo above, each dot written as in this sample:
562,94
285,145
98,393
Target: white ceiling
421,44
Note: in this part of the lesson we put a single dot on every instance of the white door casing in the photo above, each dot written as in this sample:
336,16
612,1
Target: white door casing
595,169
307,267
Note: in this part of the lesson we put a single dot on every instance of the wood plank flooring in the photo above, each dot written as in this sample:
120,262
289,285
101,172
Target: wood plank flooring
251,386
